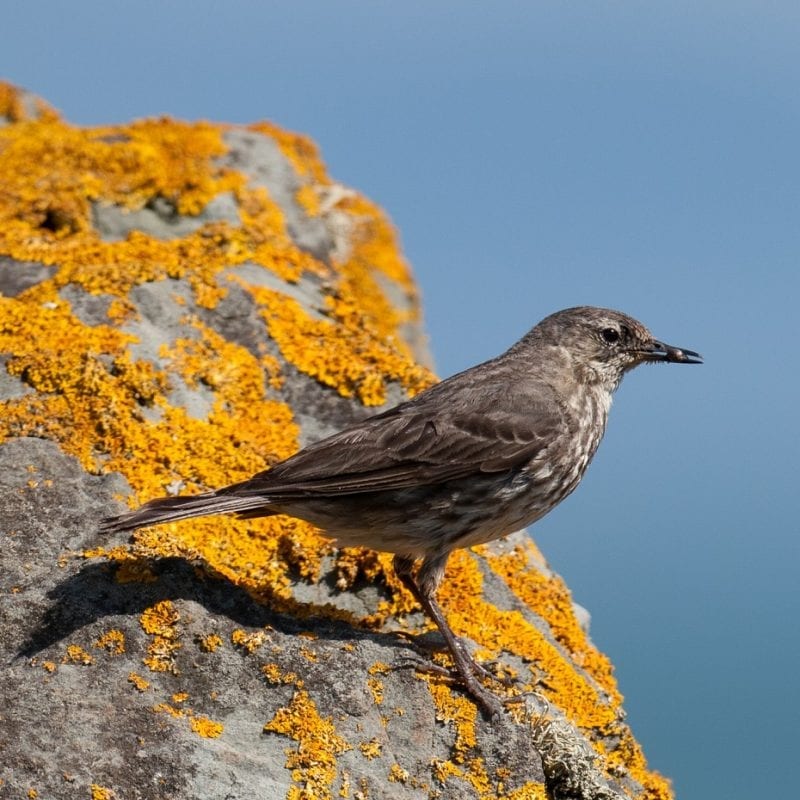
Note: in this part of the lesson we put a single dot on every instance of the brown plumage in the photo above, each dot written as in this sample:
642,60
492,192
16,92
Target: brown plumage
480,455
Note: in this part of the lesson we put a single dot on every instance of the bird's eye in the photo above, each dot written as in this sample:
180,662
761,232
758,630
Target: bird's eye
610,335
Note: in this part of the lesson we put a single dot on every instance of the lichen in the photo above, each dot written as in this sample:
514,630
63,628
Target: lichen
114,411
139,683
112,641
205,727
313,762
161,622
77,655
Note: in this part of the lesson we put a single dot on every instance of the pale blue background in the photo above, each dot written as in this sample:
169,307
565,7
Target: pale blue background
539,155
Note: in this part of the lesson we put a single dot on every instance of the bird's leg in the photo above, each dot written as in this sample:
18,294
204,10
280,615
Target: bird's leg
424,590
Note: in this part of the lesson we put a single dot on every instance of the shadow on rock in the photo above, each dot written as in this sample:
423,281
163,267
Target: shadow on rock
94,593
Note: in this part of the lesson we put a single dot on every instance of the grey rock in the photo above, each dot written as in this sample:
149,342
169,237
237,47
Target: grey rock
260,158
160,218
17,276
11,386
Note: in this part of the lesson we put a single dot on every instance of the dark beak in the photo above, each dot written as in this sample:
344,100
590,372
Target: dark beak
658,351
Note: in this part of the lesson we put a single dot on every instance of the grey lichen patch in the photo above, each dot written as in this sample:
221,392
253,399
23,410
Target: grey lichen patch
569,762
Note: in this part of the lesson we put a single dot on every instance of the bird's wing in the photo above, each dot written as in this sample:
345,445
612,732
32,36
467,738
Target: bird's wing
412,445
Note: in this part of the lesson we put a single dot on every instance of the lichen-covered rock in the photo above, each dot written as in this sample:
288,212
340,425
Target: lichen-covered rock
180,306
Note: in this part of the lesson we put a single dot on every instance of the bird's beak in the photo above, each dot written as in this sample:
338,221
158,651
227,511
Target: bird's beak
658,351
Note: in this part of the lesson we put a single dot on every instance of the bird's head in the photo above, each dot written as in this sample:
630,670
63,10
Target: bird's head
602,345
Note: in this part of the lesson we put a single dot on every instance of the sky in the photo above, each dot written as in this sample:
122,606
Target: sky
534,156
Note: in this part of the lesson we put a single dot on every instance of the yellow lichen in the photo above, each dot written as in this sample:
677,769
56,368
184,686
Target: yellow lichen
249,642
398,775
12,106
461,713
210,642
301,151
346,354
275,675
113,641
90,394
376,688
160,621
529,791
308,199
77,655
371,749
313,762
206,727
102,793
308,654
166,708
139,683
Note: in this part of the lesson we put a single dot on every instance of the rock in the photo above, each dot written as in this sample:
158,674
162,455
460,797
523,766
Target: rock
183,304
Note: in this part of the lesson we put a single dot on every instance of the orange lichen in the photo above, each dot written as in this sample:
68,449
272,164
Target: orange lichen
166,708
249,642
275,675
529,791
398,775
308,199
200,724
627,755
301,151
90,395
160,621
376,688
497,630
206,727
371,749
102,793
308,654
139,683
345,354
313,762
77,655
550,599
12,106
461,713
376,242
113,641
210,642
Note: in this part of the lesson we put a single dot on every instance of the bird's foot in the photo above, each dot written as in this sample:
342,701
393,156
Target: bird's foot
471,675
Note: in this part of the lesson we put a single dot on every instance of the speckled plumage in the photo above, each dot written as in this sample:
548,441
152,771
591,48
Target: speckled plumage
480,455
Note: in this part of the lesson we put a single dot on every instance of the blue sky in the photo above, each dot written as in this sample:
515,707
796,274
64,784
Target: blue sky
536,156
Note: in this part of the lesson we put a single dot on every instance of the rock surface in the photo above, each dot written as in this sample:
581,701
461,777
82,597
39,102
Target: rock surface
181,305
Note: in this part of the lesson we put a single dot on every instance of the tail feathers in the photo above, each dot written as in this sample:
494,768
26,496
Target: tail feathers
172,509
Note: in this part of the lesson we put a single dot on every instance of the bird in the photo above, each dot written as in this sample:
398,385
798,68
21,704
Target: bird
481,454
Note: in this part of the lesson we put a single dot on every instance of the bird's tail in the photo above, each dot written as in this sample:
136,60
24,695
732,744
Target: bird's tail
172,509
